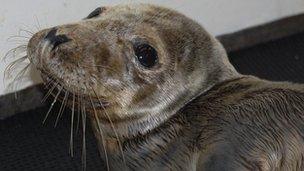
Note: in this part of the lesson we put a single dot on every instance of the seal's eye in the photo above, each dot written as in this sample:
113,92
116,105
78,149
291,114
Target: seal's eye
146,55
95,13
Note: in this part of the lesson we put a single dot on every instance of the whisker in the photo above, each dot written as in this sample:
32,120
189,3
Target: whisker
13,85
30,33
18,36
47,85
49,92
14,52
78,111
21,42
72,126
62,107
101,133
52,105
83,114
112,126
12,67
39,26
28,28
47,73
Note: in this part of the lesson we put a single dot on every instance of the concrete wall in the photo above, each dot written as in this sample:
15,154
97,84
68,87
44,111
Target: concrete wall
218,16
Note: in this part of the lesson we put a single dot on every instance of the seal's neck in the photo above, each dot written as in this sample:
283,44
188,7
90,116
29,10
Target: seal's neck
149,151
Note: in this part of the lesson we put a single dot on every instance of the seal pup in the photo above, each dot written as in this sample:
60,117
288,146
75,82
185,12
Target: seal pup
162,95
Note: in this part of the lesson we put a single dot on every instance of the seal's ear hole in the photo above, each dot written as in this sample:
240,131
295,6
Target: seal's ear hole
146,55
95,13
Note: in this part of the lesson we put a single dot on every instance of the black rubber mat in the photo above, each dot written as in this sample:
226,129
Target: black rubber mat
280,60
26,144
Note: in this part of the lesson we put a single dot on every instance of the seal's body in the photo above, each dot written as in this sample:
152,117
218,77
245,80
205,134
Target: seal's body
240,124
162,94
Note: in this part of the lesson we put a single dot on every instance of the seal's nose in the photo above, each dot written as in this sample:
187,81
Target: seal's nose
56,40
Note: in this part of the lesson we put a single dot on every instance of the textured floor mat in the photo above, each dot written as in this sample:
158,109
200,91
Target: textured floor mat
280,60
26,144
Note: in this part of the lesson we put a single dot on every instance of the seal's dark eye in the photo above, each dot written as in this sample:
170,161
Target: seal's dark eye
95,13
146,55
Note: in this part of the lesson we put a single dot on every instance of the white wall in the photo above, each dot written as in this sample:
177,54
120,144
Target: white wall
218,16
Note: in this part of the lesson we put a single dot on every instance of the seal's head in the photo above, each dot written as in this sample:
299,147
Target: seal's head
139,62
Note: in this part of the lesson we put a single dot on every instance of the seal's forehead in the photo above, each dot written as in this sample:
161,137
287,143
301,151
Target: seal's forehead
136,11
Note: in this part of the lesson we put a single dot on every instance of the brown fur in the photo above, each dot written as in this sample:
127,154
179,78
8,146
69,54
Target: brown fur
191,111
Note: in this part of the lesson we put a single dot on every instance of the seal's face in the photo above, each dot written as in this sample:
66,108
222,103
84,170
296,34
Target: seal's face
134,60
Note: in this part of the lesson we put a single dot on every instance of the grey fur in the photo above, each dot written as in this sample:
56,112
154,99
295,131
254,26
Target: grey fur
193,111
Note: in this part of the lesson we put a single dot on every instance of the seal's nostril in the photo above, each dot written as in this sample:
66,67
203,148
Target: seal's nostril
51,34
60,39
56,40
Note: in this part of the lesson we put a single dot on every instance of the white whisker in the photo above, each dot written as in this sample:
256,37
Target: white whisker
72,126
83,115
53,103
62,107
112,126
101,134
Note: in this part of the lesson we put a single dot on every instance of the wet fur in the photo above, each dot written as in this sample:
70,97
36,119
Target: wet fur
193,111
